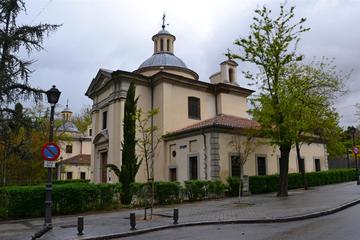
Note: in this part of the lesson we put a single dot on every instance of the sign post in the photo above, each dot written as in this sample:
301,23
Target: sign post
50,152
356,152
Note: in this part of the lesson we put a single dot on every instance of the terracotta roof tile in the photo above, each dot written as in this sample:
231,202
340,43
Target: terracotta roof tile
222,120
83,159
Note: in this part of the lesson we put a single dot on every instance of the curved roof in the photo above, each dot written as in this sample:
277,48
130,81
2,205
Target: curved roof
163,59
68,127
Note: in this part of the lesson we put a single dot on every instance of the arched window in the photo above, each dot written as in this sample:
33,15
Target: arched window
231,75
194,107
161,44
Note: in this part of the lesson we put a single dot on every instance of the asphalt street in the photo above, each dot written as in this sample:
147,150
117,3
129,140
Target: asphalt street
344,225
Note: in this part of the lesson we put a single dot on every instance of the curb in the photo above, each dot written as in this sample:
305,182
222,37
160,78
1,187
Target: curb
235,221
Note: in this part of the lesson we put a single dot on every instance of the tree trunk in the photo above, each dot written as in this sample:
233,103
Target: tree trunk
241,182
303,170
284,170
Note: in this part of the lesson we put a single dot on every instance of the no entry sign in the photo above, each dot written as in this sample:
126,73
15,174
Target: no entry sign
50,151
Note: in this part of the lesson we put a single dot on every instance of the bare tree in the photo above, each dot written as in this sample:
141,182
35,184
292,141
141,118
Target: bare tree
148,142
243,145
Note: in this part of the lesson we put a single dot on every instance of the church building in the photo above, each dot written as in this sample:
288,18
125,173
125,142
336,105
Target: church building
197,120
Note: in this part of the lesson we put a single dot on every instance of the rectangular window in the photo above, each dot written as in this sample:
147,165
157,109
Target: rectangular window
172,174
69,175
83,175
261,165
193,168
90,132
235,165
68,149
317,165
104,120
194,108
301,164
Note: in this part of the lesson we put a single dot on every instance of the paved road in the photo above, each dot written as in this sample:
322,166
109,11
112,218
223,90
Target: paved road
262,206
343,225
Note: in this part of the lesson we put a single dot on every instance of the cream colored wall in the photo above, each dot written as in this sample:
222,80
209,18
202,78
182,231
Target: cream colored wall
181,161
232,105
216,78
78,147
308,151
175,106
76,170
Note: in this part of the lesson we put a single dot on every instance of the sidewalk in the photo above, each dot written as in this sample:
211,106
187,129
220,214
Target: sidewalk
255,207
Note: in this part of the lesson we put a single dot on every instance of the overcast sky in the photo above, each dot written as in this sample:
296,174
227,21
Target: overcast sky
116,34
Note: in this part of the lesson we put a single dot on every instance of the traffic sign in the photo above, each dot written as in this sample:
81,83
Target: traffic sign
49,164
50,151
355,150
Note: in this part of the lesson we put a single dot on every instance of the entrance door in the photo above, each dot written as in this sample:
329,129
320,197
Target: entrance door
103,169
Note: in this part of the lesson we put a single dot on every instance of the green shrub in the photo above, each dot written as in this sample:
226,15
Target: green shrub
70,181
216,189
196,189
270,183
28,201
233,186
165,193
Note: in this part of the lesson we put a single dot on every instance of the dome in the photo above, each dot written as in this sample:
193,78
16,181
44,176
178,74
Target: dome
68,127
163,59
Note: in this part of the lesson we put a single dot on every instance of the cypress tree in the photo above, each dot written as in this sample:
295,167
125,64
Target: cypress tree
130,164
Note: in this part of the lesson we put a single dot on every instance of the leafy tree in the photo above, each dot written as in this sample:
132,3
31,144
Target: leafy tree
130,164
83,120
14,71
310,91
295,99
271,46
17,133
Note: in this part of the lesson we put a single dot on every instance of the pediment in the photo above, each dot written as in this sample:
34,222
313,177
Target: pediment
101,137
102,77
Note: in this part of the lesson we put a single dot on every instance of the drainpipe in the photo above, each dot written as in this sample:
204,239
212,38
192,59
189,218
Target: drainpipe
216,100
205,156
152,134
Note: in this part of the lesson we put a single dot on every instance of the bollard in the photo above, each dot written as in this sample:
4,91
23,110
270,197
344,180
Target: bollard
176,215
80,225
132,221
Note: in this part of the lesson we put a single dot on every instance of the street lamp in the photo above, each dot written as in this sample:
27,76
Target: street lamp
353,131
53,96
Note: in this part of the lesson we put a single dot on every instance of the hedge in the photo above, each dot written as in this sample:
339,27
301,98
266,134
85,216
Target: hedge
28,201
264,184
165,193
203,189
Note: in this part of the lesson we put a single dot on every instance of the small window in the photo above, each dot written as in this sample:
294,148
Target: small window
69,149
168,45
317,165
90,132
231,75
172,174
104,120
194,107
68,175
235,165
162,45
301,164
261,166
193,168
83,175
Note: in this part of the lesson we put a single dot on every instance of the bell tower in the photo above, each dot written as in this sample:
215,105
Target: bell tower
163,40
